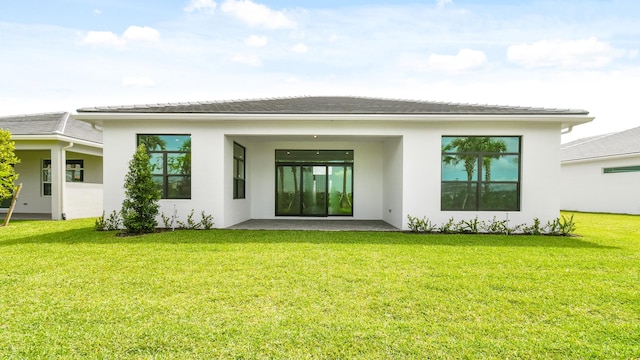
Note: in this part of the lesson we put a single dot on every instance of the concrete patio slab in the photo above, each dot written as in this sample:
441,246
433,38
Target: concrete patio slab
313,224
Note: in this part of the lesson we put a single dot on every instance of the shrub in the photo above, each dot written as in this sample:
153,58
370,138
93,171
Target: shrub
140,206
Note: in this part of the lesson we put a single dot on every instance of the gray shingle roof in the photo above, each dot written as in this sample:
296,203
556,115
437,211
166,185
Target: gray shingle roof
621,143
330,105
59,123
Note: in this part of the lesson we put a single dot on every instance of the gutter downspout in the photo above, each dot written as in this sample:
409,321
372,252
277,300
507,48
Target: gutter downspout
63,178
567,130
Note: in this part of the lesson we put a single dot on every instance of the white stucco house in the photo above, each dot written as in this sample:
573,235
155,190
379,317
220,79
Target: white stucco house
602,173
60,166
340,158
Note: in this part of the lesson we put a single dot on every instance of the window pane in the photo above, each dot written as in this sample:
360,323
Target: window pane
159,180
458,196
500,168
166,142
46,189
157,163
310,156
340,193
238,151
179,187
239,189
288,190
499,197
178,164
459,168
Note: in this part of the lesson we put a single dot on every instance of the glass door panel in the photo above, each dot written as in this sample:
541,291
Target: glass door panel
340,189
314,190
288,190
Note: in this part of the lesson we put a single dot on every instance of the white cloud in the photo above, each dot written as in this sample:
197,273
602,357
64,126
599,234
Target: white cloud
102,38
443,3
133,33
256,41
300,48
250,60
587,53
257,15
205,6
465,60
144,33
97,11
137,82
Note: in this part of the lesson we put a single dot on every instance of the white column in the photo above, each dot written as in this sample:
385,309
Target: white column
57,181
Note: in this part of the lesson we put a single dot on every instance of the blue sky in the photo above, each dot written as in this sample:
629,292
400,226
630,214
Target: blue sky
65,54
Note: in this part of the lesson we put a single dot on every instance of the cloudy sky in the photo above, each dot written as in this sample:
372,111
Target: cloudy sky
60,55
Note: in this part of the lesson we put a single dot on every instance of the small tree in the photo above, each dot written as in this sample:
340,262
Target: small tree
140,206
8,159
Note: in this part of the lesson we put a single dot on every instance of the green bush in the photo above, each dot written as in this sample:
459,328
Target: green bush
140,206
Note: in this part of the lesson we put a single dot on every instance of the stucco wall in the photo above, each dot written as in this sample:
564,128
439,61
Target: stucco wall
397,165
585,187
82,200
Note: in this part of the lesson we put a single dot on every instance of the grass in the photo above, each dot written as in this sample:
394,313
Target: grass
67,291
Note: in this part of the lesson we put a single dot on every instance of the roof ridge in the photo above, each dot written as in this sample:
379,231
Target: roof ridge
62,123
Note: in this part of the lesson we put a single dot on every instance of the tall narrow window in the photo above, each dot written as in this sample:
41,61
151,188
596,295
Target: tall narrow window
480,173
46,177
239,158
170,158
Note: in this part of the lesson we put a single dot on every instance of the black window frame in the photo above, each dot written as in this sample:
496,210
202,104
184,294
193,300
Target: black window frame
239,172
479,183
165,174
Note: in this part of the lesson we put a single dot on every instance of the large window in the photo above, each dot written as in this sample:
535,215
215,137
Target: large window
170,158
74,172
480,173
238,171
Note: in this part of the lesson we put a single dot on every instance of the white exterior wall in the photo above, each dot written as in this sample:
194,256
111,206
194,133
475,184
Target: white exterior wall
82,200
585,187
397,165
539,172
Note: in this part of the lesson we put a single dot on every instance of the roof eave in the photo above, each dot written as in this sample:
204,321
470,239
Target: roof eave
567,120
600,158
56,137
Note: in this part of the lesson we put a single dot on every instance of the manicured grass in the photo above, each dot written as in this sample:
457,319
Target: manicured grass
69,292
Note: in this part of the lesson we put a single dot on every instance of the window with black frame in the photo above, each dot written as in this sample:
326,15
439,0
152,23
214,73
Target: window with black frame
480,173
239,155
170,159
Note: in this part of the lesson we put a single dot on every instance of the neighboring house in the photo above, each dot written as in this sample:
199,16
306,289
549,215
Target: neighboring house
341,157
60,166
602,173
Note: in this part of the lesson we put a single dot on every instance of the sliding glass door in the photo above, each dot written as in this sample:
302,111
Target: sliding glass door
323,187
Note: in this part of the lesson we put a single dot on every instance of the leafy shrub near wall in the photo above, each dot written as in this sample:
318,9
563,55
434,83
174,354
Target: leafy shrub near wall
562,226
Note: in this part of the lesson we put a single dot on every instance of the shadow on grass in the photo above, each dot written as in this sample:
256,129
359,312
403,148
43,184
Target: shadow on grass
217,236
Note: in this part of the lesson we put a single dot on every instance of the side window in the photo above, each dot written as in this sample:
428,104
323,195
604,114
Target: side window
480,173
74,172
170,159
239,158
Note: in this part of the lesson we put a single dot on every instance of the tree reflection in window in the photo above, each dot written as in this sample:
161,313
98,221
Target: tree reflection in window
170,159
480,173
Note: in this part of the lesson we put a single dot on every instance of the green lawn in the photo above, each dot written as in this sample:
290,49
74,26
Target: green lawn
67,291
